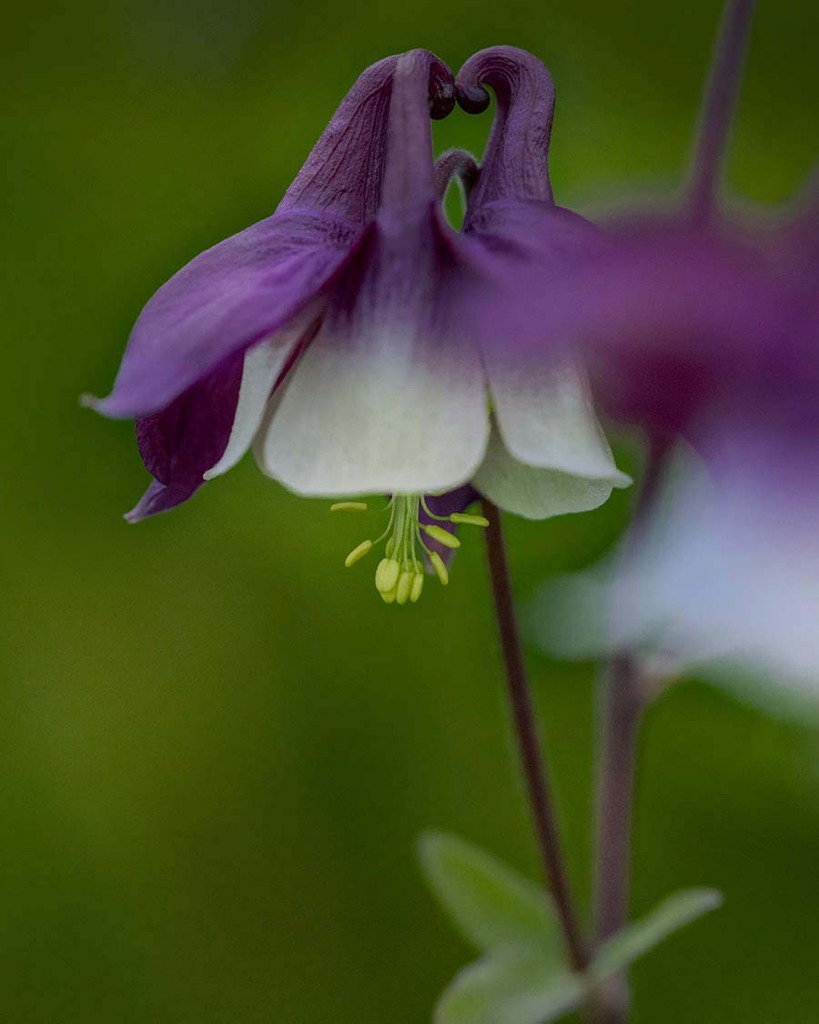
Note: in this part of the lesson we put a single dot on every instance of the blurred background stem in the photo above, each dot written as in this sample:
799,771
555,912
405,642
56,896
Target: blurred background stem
625,697
627,689
719,107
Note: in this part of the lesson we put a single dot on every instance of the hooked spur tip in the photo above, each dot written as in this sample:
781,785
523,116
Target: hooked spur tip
456,163
441,91
472,98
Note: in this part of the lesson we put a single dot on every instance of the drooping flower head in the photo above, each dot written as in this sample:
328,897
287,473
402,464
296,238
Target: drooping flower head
332,338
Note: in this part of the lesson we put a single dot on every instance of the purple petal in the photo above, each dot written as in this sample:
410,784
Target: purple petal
513,240
185,439
229,297
345,171
680,322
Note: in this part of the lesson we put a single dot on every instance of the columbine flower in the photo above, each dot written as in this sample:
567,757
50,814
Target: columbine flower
330,337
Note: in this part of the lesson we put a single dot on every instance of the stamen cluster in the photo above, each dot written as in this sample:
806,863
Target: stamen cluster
399,576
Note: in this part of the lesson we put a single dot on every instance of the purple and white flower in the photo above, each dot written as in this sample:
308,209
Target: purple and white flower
332,337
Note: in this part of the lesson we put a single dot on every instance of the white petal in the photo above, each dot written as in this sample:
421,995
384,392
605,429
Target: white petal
546,418
729,571
533,492
263,364
394,412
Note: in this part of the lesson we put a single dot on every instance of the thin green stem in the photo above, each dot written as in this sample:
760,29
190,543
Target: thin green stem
531,754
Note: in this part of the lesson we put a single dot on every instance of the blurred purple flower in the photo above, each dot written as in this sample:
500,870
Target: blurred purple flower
728,563
671,318
693,327
697,328
333,338
722,569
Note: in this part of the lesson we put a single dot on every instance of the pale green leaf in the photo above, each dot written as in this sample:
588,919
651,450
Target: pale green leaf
637,939
491,905
514,989
523,978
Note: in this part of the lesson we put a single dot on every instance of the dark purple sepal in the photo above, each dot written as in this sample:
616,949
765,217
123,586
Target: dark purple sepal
185,439
232,295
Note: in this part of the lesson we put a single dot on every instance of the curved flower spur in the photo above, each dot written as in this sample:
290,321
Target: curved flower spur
328,338
547,453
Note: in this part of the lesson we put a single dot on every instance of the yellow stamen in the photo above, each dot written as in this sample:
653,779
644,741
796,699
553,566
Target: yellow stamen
404,589
358,553
439,567
399,576
443,536
468,520
386,575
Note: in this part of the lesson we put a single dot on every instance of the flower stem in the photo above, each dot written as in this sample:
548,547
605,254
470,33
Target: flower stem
624,699
622,710
719,106
529,747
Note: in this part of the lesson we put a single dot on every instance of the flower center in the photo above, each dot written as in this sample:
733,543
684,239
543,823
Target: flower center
399,576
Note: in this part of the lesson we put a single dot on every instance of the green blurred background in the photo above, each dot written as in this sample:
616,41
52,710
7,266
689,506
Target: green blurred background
218,746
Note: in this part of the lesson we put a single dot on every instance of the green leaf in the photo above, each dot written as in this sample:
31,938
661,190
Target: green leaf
516,989
523,978
490,904
639,938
